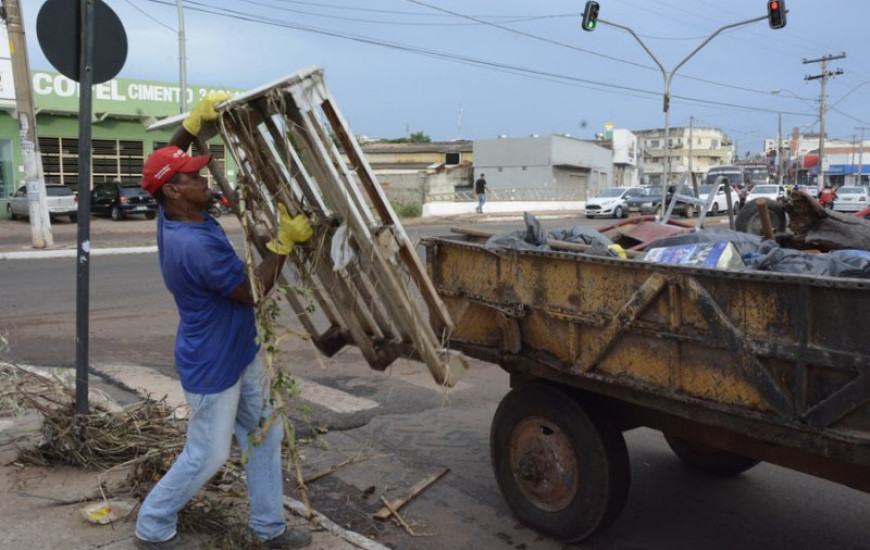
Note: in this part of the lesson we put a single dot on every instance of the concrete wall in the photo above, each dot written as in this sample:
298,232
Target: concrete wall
568,167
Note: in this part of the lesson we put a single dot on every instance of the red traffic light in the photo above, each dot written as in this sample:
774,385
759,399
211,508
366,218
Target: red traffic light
776,14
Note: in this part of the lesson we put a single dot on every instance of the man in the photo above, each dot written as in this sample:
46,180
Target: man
480,189
827,196
215,349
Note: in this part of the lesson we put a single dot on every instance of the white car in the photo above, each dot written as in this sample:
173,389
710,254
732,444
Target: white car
60,198
771,192
852,198
611,202
720,203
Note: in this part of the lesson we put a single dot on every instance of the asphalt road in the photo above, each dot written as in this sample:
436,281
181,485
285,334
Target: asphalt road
413,429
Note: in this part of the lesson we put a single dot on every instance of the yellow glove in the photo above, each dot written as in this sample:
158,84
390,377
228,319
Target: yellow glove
291,231
204,111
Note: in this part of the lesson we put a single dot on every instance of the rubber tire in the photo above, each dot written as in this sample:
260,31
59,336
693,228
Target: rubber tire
689,211
150,216
747,219
12,215
714,210
601,470
708,459
618,212
117,215
73,218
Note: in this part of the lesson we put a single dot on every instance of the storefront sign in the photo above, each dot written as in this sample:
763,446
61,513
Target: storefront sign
119,96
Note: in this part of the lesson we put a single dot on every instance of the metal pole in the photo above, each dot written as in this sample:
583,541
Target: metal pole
822,127
86,78
182,57
779,159
861,156
40,223
667,77
691,138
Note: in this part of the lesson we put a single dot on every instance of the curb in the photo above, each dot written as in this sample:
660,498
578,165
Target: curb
72,253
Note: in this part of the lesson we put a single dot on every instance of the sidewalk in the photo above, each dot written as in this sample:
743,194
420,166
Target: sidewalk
40,507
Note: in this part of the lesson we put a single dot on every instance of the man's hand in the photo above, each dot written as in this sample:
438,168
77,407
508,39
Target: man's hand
204,111
291,231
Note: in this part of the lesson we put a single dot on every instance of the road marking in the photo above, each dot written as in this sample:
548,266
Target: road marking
333,399
147,381
71,253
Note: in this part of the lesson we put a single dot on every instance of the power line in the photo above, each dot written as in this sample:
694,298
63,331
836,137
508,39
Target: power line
151,17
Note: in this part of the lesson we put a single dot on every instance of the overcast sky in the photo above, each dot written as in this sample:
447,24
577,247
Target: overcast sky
475,70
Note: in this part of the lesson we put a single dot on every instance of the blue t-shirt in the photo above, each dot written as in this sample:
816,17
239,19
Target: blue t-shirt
216,335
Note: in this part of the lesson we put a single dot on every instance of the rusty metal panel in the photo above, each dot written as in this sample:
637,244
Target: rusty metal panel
753,345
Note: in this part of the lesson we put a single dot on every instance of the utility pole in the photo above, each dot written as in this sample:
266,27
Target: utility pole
691,138
824,75
182,61
779,160
861,154
40,223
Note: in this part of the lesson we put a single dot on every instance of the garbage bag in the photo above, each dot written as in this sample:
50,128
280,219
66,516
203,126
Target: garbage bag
533,237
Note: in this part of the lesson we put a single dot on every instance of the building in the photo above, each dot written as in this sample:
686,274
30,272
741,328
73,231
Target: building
699,146
626,155
553,167
414,173
122,109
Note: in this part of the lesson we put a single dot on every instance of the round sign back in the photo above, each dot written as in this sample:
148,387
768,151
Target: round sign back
58,28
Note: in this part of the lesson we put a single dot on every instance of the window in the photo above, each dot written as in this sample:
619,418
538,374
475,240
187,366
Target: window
451,159
110,159
654,143
714,144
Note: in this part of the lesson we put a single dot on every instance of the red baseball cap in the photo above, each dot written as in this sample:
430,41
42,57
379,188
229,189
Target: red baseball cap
165,162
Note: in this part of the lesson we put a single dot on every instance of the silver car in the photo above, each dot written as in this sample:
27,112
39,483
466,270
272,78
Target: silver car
61,202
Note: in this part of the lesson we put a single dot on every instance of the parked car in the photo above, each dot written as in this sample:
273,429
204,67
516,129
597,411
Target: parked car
720,203
852,198
651,201
120,200
771,192
611,202
60,198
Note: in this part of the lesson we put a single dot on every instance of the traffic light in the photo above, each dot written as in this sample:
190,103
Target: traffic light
776,13
590,16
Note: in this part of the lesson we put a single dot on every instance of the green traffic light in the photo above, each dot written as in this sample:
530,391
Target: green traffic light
590,25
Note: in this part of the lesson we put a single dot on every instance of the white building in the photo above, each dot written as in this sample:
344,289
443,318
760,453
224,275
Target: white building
704,147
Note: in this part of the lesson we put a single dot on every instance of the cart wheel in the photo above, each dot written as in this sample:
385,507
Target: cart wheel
709,459
748,220
562,470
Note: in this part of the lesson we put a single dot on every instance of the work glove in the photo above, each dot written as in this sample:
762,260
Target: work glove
204,111
292,230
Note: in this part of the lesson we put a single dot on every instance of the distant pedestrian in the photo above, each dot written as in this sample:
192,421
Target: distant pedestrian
827,196
480,189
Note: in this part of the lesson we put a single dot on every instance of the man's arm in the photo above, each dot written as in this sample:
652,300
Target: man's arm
182,138
267,273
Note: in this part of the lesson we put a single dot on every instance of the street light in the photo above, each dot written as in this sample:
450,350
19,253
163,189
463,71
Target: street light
666,107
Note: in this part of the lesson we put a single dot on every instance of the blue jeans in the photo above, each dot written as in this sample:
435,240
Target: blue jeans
210,428
481,200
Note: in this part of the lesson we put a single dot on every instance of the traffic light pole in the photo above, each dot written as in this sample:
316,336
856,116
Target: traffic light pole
666,106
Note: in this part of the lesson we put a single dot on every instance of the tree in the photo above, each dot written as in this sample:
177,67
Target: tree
416,137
